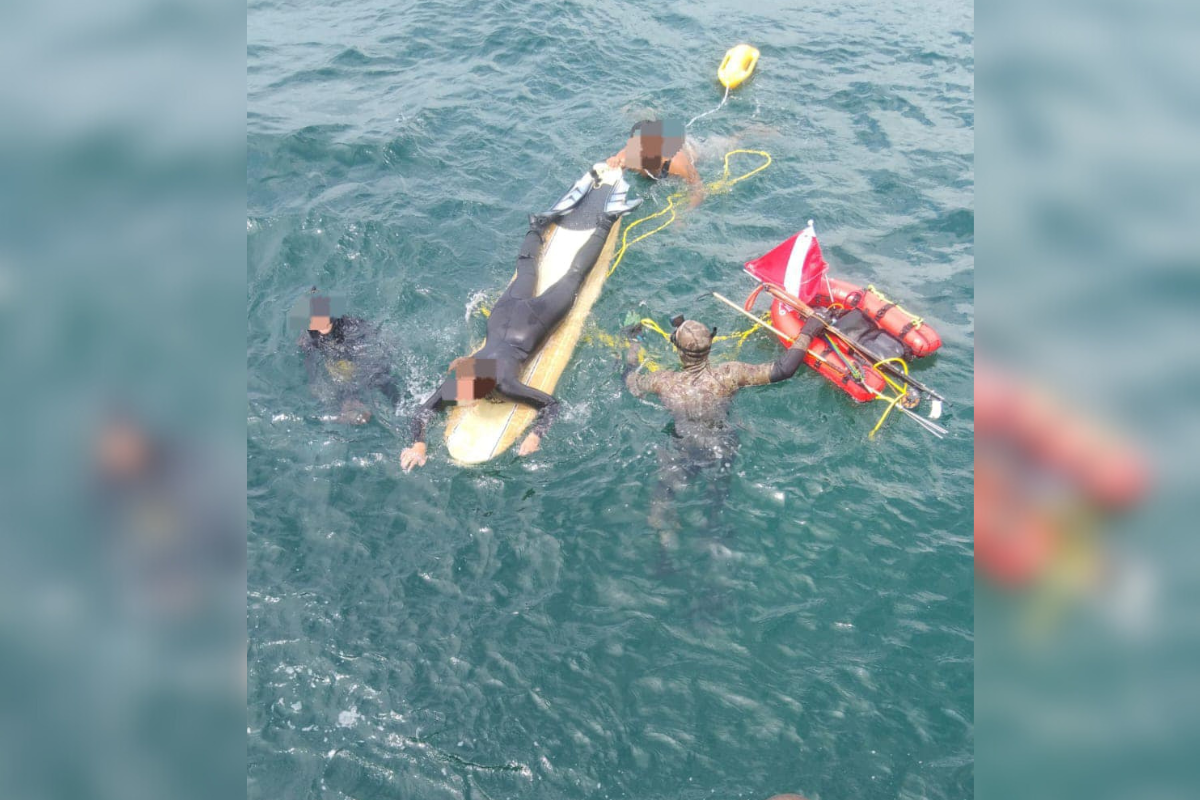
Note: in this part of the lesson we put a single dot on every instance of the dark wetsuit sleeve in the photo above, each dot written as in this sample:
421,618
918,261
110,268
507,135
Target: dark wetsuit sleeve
433,404
545,417
388,387
786,365
311,357
737,374
546,405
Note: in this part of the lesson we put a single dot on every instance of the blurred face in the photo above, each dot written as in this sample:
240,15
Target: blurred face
321,325
122,450
465,390
474,379
643,152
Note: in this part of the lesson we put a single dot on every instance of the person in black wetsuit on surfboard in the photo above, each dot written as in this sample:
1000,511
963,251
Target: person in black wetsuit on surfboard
519,324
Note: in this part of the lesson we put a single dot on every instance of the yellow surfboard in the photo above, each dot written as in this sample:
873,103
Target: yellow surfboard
484,430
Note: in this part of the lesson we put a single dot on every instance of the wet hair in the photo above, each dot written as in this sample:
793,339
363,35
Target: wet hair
647,127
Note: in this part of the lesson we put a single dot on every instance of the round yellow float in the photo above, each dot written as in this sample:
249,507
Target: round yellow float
737,66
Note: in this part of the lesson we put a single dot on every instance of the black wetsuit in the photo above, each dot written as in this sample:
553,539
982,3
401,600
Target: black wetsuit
348,342
519,323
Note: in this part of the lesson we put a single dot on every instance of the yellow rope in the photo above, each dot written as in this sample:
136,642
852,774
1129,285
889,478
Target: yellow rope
892,383
651,325
646,322
891,404
717,187
625,243
721,186
901,392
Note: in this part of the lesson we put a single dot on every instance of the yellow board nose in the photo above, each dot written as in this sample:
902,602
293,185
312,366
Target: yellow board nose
737,66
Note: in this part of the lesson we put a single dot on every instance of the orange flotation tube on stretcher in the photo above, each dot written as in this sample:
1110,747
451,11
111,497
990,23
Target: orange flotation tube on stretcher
879,324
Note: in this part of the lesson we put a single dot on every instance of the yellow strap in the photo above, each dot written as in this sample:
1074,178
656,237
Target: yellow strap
916,321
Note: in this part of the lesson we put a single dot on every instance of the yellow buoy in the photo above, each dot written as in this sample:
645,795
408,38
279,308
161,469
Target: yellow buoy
737,66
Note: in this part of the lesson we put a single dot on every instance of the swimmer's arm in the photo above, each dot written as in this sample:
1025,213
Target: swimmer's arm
786,365
545,418
618,160
639,383
739,373
432,405
642,383
547,410
389,389
683,167
310,357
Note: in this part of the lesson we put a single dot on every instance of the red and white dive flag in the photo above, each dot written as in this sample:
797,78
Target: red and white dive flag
796,264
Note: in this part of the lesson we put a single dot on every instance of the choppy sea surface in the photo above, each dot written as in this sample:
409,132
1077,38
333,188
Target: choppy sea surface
519,629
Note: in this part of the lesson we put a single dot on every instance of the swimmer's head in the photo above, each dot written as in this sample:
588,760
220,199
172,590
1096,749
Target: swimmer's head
123,448
692,339
474,379
315,313
651,143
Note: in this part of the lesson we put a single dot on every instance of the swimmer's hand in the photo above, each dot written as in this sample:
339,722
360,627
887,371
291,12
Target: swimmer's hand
616,162
412,456
530,445
631,355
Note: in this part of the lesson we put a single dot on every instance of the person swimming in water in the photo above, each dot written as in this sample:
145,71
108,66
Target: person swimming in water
518,324
347,348
698,397
658,149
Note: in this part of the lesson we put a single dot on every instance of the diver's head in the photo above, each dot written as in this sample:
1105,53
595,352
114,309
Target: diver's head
692,339
474,379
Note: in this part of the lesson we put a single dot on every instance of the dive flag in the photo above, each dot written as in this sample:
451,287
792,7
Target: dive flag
797,264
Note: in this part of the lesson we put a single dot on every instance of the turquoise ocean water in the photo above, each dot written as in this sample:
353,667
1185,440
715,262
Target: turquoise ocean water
512,630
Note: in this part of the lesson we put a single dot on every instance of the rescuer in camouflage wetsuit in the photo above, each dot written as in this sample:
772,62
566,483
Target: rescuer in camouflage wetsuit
698,397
